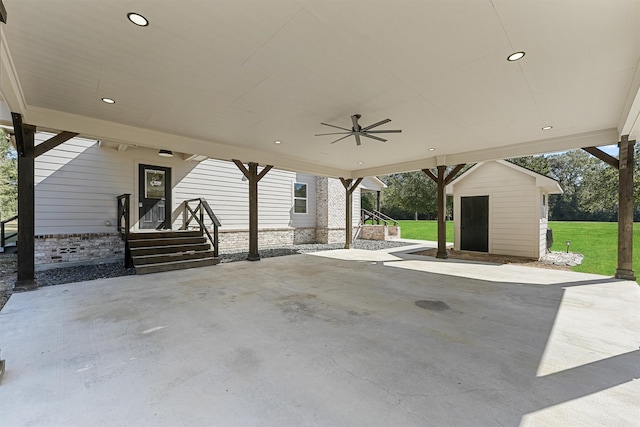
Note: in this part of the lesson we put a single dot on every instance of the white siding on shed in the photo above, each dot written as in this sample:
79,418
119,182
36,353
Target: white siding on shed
514,226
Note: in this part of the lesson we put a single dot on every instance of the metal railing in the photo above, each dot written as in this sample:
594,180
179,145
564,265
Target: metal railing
197,214
375,217
124,224
3,235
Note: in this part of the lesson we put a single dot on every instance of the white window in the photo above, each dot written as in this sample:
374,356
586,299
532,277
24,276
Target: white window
544,212
299,198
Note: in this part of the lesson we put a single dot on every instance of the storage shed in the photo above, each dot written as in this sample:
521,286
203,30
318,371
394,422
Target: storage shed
501,208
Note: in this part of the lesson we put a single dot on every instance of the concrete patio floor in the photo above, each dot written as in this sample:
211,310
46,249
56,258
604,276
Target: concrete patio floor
334,338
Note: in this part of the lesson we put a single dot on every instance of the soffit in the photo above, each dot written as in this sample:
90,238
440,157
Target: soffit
228,78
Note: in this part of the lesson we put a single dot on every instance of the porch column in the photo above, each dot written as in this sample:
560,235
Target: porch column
27,152
253,177
25,137
349,187
442,180
624,165
625,210
378,204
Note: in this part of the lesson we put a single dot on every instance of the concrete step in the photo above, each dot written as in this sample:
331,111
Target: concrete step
169,257
168,249
176,265
141,235
166,241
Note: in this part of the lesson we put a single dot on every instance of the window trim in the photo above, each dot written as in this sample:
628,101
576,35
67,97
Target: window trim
306,199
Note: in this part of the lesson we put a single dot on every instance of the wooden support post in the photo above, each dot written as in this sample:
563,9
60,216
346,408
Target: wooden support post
442,180
442,218
378,205
625,210
624,165
253,177
349,187
25,140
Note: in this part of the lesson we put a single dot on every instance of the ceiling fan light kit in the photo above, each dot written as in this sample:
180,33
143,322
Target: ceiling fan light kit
357,131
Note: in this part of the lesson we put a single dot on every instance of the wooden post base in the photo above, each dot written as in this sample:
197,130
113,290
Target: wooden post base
25,285
253,257
625,274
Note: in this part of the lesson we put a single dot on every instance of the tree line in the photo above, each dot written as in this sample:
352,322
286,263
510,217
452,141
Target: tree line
590,189
8,178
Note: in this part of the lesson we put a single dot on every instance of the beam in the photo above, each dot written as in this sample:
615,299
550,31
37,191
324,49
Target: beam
253,177
53,142
25,141
442,180
598,153
625,210
349,187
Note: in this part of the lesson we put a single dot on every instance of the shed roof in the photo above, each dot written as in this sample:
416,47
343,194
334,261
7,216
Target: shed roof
372,183
547,184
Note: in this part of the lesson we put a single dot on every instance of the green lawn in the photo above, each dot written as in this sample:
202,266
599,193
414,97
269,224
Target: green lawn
597,241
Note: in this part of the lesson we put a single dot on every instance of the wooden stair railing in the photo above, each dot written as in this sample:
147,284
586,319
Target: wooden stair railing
197,213
3,236
124,224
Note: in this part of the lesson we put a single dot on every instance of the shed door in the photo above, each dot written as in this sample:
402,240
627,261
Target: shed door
154,197
474,223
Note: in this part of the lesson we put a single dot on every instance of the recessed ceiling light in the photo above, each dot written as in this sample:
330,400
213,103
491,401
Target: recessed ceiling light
515,56
277,142
360,163
108,101
431,149
547,127
138,19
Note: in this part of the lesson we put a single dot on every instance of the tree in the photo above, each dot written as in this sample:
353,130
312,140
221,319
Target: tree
8,178
409,195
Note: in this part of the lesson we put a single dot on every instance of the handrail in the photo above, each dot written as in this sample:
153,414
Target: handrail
4,237
375,216
124,224
190,214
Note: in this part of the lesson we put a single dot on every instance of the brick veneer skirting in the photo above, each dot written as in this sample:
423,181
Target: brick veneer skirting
230,240
77,248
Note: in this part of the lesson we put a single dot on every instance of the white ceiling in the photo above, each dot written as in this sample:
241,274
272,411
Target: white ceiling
227,78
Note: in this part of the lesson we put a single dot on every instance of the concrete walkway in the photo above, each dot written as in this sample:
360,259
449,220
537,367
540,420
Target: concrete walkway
351,338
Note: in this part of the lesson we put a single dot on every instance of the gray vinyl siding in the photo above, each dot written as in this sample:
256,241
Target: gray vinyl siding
77,184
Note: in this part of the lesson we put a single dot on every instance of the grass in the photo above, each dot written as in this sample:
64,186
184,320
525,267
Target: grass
597,241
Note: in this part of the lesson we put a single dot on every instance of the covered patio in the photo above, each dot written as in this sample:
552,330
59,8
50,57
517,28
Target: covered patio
346,337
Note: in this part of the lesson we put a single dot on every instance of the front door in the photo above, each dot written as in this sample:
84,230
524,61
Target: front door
474,223
155,197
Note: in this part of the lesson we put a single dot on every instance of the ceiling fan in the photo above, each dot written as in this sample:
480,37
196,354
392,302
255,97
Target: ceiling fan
359,131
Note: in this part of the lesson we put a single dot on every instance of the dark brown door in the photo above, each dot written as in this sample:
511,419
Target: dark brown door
474,223
155,197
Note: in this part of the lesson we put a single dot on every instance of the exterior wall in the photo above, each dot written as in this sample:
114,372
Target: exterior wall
330,210
77,184
71,249
514,213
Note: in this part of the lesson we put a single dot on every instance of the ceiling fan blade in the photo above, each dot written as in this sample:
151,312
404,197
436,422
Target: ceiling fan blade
373,137
357,135
381,122
334,126
332,133
340,139
383,131
354,120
